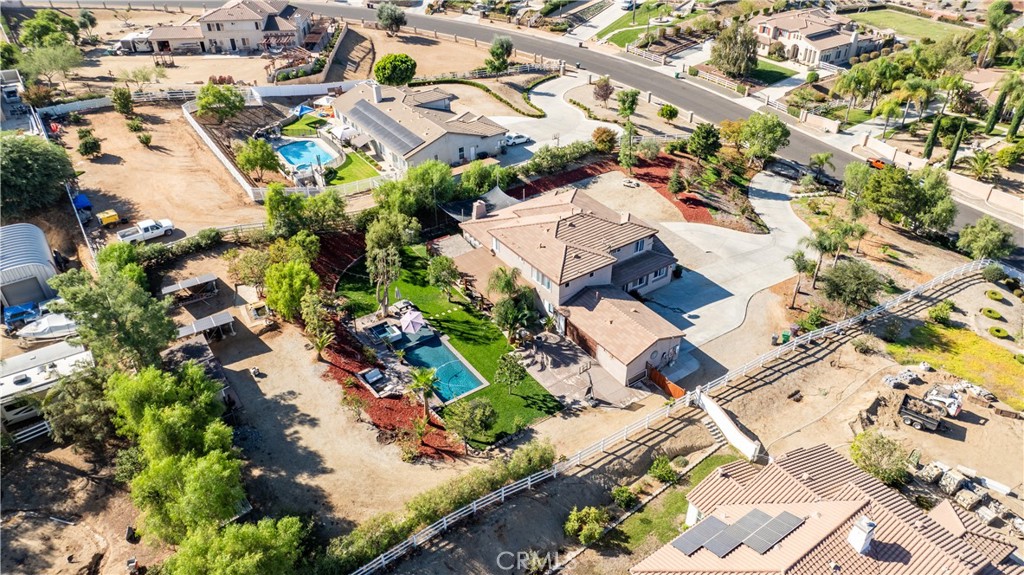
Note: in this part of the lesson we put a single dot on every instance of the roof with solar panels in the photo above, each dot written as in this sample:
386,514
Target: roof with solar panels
812,511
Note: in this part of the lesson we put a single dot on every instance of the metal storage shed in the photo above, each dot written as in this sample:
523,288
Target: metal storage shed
26,262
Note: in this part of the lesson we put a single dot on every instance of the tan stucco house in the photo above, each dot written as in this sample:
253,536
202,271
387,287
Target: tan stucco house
812,36
238,25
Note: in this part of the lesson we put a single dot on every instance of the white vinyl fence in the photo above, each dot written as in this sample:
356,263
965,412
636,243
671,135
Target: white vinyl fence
441,525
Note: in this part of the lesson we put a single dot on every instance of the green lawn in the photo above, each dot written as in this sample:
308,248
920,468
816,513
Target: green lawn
624,37
304,126
906,24
472,334
967,355
664,516
354,169
857,116
769,73
644,12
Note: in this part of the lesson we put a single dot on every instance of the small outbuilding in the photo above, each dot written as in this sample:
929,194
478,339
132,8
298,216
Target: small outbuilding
26,263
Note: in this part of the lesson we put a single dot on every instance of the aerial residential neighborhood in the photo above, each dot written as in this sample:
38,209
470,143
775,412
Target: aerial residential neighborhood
551,286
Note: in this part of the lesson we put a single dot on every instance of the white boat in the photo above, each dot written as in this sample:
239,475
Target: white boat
50,326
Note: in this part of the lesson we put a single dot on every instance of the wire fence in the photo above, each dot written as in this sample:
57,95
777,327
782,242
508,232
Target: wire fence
498,496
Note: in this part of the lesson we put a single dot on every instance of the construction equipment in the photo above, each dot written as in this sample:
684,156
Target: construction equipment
110,218
920,414
945,397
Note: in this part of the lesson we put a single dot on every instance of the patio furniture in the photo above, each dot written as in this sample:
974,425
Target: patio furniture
412,321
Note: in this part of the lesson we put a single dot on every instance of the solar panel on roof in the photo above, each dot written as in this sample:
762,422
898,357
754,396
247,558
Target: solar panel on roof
695,537
722,543
392,134
749,523
772,532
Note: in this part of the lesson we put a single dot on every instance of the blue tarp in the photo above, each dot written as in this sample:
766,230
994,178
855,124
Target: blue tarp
302,110
82,202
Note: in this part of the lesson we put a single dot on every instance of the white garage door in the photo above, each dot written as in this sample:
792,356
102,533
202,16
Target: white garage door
23,291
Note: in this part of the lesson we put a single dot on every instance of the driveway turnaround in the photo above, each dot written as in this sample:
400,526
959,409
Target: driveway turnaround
711,300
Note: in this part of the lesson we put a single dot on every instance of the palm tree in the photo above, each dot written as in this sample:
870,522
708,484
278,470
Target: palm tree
820,161
856,209
840,230
858,231
424,383
956,88
853,84
884,73
982,165
803,266
921,92
889,107
999,17
1009,86
822,242
504,281
320,343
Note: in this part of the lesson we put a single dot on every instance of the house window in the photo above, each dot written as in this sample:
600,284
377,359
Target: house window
638,282
566,284
615,251
540,278
245,41
591,274
658,274
550,308
462,153
638,246
495,245
257,25
219,28
209,27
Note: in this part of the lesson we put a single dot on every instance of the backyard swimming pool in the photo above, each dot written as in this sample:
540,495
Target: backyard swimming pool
304,153
454,379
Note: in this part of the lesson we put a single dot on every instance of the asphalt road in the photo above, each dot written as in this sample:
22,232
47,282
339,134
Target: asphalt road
678,92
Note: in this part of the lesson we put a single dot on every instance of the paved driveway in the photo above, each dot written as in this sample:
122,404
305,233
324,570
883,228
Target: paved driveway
711,300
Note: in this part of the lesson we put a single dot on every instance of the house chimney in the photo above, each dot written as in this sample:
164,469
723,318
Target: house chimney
861,535
377,96
479,209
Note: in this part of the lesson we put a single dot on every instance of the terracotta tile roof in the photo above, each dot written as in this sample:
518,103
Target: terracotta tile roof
565,235
822,487
806,22
477,265
623,326
640,265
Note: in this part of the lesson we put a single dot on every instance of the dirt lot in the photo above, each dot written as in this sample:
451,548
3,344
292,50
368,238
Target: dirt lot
177,178
52,486
433,56
646,116
306,454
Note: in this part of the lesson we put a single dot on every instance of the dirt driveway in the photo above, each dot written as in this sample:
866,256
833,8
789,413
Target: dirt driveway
177,178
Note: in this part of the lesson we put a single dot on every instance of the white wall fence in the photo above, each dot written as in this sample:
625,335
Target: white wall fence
188,108
646,55
421,538
79,106
732,432
830,67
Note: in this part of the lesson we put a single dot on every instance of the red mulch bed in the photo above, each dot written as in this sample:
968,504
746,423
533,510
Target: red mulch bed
548,183
338,250
656,174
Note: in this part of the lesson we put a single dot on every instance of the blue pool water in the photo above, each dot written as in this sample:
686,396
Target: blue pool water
454,378
304,153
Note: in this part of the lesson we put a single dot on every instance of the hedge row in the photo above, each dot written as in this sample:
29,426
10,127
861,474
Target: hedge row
158,254
532,85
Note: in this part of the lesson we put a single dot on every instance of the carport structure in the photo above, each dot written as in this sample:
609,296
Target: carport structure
26,263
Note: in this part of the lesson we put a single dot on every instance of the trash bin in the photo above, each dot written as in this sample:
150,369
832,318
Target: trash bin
677,75
785,337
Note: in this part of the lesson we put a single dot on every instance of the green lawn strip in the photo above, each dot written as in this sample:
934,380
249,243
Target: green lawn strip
857,116
770,73
472,334
907,24
354,169
966,355
644,13
303,125
663,517
630,35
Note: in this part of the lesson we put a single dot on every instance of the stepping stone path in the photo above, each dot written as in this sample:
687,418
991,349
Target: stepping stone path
444,313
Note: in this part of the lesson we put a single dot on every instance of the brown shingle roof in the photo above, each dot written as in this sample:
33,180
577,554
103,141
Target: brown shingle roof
809,482
623,326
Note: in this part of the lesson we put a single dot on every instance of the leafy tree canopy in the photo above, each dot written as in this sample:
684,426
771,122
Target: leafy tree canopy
34,171
735,50
391,229
269,547
391,18
763,135
852,283
986,238
286,283
880,456
222,102
257,155
394,69
78,411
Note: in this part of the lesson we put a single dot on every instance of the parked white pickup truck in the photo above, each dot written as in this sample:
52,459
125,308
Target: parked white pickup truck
146,230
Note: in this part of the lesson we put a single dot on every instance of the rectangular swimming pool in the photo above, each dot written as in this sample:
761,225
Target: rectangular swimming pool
306,153
454,378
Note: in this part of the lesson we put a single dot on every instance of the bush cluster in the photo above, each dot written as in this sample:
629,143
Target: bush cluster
994,295
661,469
624,497
159,254
941,312
993,273
550,159
991,313
999,332
586,524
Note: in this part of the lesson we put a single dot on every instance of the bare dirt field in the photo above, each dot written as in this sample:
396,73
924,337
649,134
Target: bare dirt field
433,56
646,115
475,100
306,454
51,487
177,178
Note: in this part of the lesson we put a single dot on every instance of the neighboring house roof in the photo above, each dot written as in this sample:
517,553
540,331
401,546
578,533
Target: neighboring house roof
278,24
31,372
808,21
401,123
186,32
623,326
565,235
829,494
235,10
495,199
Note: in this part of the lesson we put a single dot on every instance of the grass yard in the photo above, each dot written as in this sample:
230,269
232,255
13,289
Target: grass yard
769,73
354,169
472,334
906,24
644,13
967,355
624,37
857,116
304,126
662,519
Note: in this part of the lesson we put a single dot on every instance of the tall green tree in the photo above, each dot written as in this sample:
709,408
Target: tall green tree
668,112
286,283
852,283
390,17
142,75
823,241
500,51
34,171
117,319
424,384
385,267
78,411
627,149
134,395
221,102
122,100
469,418
704,142
442,274
394,69
932,206
888,108
735,50
10,55
1018,115
820,161
504,281
883,191
510,372
603,90
268,547
391,229
955,146
880,456
627,100
478,178
325,212
999,17
929,143
284,210
257,155
86,21
986,238
48,28
50,61
763,135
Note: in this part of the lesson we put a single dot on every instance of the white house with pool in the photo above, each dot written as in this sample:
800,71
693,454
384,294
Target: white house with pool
406,127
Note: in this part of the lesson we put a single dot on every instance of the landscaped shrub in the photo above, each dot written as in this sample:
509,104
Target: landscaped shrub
991,313
586,524
940,312
892,329
661,469
560,26
624,497
864,345
812,77
692,71
145,139
994,295
1018,292
158,254
999,332
993,273
813,320
134,125
676,146
1019,357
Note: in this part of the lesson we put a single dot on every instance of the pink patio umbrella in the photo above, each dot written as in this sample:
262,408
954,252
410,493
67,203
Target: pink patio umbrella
412,321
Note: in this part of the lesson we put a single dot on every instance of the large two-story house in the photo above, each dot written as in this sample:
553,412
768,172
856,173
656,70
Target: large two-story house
237,25
583,260
812,36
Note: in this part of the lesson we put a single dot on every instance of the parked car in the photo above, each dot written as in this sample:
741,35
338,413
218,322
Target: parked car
876,163
628,4
146,230
516,139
